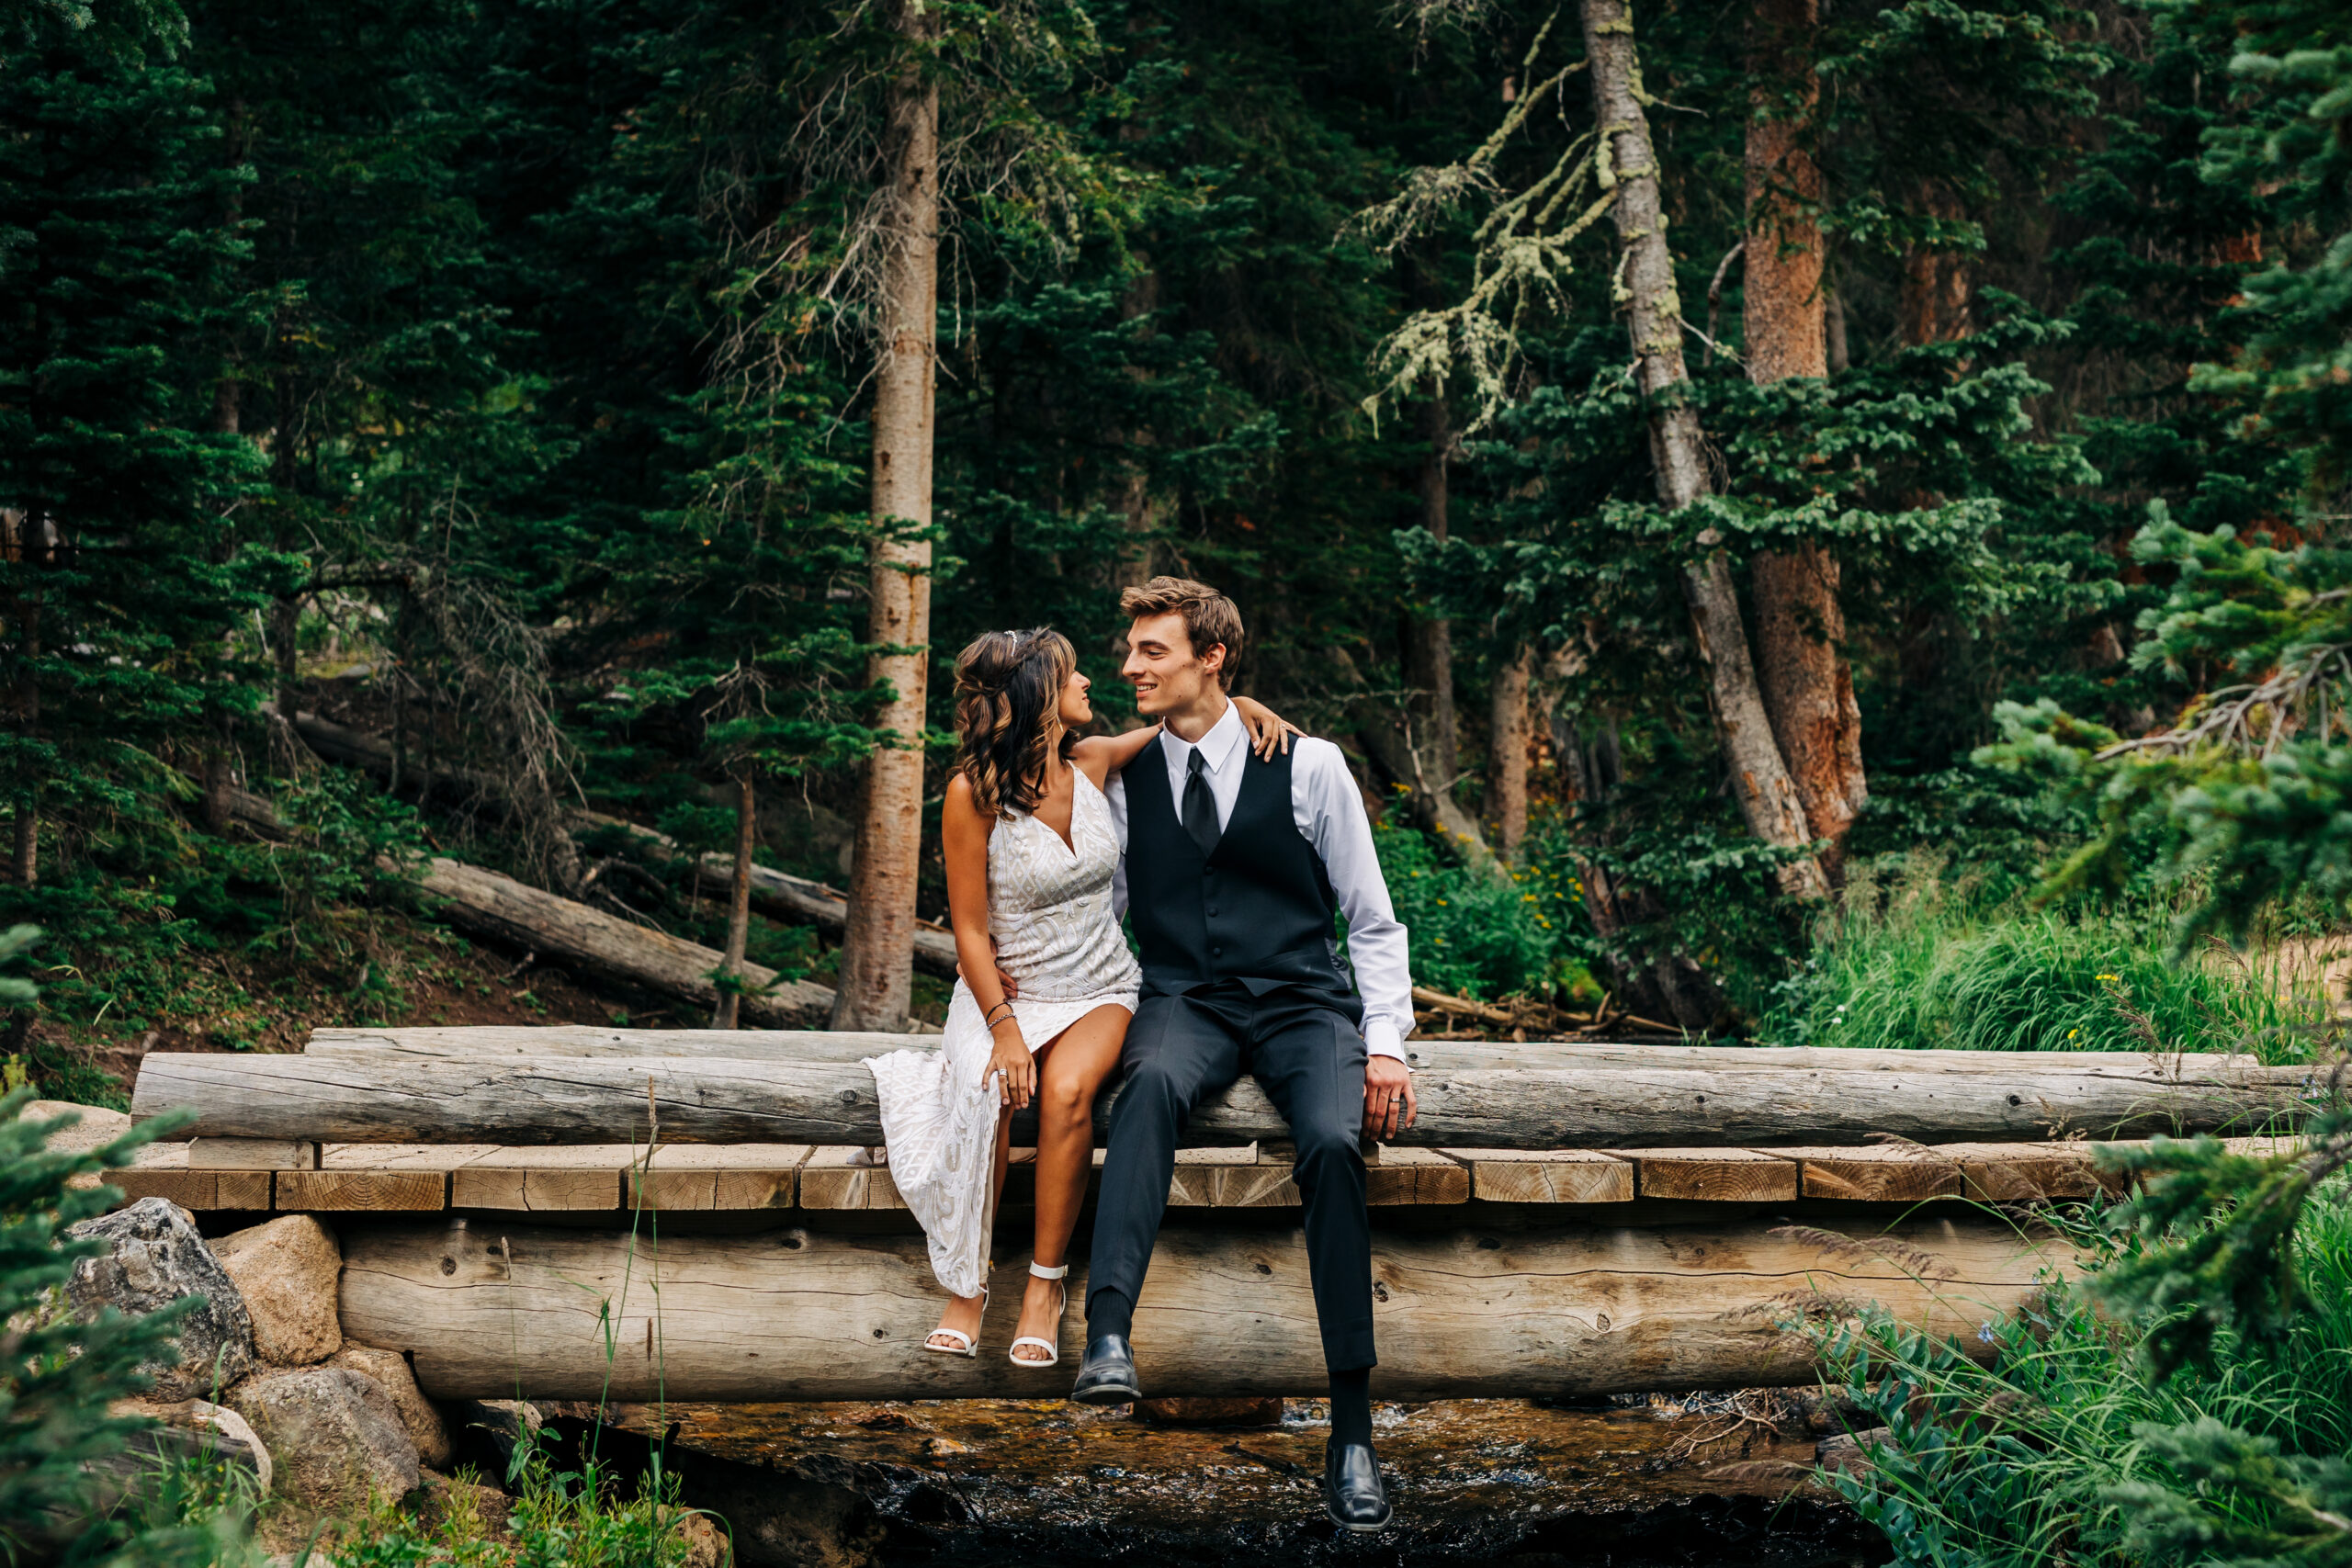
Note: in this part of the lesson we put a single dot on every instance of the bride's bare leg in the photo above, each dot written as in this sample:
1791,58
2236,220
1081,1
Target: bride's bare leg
963,1313
1072,1069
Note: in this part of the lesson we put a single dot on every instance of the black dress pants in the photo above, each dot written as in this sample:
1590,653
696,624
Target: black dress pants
1310,1060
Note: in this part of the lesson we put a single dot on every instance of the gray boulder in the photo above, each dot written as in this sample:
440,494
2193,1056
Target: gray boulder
157,1257
333,1434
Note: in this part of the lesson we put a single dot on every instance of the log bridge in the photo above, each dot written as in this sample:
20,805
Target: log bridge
638,1214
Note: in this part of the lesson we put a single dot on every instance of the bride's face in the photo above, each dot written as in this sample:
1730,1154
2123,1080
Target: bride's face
1076,709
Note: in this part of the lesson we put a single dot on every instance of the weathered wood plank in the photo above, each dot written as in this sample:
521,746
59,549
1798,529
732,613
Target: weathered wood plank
252,1153
546,1100
839,1176
315,1191
1546,1176
1878,1173
1443,1056
1401,1177
799,1315
409,1157
532,1191
1712,1175
595,1040
197,1190
2022,1173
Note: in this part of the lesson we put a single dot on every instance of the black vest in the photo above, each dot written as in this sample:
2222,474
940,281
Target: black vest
1258,909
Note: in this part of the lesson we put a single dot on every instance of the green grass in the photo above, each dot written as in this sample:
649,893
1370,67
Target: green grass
1913,962
2015,1463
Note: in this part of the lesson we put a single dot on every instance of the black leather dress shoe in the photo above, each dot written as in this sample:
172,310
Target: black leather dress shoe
1107,1376
1353,1494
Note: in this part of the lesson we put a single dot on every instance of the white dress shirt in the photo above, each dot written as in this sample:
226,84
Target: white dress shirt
1329,815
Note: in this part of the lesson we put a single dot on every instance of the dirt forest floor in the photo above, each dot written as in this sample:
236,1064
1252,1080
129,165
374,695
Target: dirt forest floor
420,973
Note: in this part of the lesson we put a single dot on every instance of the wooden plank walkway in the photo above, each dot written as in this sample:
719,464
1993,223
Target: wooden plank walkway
711,1178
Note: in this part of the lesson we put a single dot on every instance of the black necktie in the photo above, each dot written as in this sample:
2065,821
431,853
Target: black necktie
1200,806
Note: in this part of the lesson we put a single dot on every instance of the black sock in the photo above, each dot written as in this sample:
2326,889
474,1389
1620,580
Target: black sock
1351,1406
1108,1312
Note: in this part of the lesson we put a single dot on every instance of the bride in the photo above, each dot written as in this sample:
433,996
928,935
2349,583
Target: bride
1031,850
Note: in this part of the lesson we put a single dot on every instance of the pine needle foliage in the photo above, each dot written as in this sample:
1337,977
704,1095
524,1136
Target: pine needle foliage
58,1375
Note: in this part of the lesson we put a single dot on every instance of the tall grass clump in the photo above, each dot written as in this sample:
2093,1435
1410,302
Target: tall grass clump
1916,960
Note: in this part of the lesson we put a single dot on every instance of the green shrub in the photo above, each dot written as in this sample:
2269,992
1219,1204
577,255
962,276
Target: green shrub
60,1375
1475,933
2060,1448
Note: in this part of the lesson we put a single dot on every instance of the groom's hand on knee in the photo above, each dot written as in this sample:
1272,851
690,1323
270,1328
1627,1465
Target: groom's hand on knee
1389,1102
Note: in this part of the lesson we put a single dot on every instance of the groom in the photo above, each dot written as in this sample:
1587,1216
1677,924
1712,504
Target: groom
1233,870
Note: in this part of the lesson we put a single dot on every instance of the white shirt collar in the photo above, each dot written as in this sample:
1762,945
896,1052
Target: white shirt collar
1217,748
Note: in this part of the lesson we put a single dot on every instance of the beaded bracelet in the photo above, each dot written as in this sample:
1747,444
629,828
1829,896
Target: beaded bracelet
989,1020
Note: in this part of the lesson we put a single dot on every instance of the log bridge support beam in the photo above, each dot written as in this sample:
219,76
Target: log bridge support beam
803,1314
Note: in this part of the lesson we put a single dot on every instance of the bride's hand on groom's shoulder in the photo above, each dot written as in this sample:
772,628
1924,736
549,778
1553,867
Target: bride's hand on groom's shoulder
1269,731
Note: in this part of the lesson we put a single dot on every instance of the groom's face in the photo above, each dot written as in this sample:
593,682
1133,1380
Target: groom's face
1168,676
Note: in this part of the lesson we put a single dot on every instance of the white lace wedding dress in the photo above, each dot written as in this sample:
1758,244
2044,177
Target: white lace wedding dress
1049,910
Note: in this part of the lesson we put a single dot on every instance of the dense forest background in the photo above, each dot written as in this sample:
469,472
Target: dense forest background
482,392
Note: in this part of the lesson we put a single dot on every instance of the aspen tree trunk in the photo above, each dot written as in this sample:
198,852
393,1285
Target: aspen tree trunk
1768,798
1509,730
739,902
875,972
1807,685
1441,747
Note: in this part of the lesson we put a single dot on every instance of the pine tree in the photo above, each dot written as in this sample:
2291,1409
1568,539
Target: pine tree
117,582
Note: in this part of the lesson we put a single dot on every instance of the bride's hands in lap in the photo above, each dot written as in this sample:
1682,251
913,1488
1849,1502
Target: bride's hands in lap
1269,731
1012,1068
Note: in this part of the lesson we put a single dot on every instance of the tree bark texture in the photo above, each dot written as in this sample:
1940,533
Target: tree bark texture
795,1315
552,926
1938,293
738,901
1760,781
1807,685
875,976
482,1042
1510,733
1440,746
538,1100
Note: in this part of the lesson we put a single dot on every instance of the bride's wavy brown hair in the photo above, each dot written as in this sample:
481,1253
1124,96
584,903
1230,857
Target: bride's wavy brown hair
1008,707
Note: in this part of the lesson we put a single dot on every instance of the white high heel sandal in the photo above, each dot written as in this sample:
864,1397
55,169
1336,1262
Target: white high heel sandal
968,1345
1053,1350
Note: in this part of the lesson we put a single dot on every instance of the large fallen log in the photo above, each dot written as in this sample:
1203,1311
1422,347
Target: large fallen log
533,1100
488,904
781,895
774,893
826,1045
797,1315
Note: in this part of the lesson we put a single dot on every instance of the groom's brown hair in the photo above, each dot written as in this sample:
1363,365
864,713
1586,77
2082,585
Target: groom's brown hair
1210,618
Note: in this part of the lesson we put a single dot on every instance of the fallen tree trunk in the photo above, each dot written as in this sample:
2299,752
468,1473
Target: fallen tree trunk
831,1045
529,1100
796,1315
774,893
552,926
782,896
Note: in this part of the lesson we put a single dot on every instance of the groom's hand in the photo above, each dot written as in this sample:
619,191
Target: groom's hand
1005,983
1389,1102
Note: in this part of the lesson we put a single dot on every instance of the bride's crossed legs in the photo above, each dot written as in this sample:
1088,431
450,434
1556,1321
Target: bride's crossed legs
1071,1068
